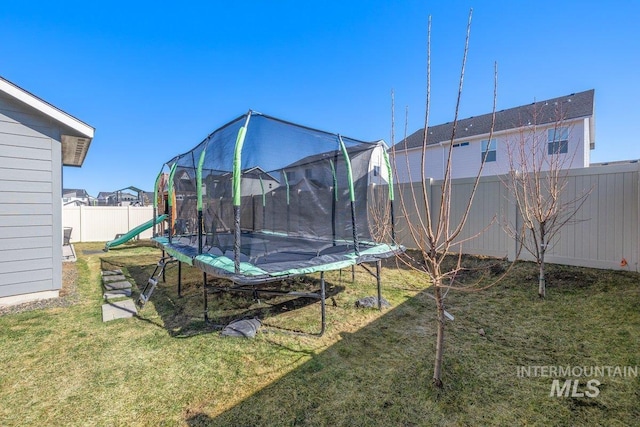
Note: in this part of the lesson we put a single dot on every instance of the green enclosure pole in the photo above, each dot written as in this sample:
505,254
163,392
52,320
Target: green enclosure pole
352,196
155,203
199,195
170,193
237,193
199,206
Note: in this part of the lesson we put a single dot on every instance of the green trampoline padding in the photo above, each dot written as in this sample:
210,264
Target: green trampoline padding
305,258
226,264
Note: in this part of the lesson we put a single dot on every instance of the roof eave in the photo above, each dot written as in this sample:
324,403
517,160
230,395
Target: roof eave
75,144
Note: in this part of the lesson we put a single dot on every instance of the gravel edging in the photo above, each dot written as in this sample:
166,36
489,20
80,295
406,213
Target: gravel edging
68,294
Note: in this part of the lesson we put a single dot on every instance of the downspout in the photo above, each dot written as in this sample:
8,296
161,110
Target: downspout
441,144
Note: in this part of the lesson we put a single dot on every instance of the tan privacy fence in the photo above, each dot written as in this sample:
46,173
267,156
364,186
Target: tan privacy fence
605,233
103,223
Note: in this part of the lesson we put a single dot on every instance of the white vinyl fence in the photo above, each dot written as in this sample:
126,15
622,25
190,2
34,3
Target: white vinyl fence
605,233
103,223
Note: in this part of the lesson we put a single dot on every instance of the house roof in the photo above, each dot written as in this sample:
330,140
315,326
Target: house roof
252,172
321,157
573,106
75,192
75,142
257,172
132,188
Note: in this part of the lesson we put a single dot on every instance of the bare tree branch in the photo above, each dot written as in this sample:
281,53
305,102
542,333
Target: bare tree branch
538,179
434,232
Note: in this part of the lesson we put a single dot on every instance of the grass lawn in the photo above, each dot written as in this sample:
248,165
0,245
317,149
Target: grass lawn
64,366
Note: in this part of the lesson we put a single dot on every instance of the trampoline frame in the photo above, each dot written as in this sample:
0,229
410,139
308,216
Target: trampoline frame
246,277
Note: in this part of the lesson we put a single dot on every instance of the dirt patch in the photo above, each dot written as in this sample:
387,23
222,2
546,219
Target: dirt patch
559,276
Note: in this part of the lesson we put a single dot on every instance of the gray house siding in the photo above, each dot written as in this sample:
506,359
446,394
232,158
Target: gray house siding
30,201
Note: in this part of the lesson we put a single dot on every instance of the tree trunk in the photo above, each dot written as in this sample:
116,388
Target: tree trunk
437,369
543,248
542,288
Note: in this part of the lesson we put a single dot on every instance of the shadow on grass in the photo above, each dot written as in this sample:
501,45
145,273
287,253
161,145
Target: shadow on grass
199,420
184,315
367,378
380,375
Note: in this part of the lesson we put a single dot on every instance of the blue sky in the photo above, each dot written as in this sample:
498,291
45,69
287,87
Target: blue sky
154,78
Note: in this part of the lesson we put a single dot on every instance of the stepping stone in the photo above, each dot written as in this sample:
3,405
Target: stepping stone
111,272
114,278
118,310
112,286
117,293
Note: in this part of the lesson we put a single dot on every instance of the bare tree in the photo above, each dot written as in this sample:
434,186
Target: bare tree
435,233
539,161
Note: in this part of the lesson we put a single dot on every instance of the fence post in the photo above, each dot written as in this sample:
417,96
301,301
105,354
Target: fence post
511,217
637,219
80,222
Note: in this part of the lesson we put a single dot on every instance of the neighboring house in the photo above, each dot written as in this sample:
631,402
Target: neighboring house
36,140
104,198
254,181
123,198
77,197
566,123
321,169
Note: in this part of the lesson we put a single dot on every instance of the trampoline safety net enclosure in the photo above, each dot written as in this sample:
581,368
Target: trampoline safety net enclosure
261,199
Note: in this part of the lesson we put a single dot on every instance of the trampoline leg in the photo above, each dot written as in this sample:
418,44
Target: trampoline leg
322,304
164,278
378,267
353,274
179,278
204,295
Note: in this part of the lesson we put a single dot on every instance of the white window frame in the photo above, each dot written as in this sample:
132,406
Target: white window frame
558,140
491,147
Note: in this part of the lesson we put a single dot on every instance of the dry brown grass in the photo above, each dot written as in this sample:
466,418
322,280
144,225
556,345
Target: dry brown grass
63,366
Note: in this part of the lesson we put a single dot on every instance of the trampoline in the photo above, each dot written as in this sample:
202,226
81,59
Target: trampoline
262,199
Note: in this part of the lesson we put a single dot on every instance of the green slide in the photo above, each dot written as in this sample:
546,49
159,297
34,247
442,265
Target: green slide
134,232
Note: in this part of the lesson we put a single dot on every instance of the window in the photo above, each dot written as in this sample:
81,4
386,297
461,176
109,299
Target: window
308,173
461,144
291,175
558,140
488,150
376,171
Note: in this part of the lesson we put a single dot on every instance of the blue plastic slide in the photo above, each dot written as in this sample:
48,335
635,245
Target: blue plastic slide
134,232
